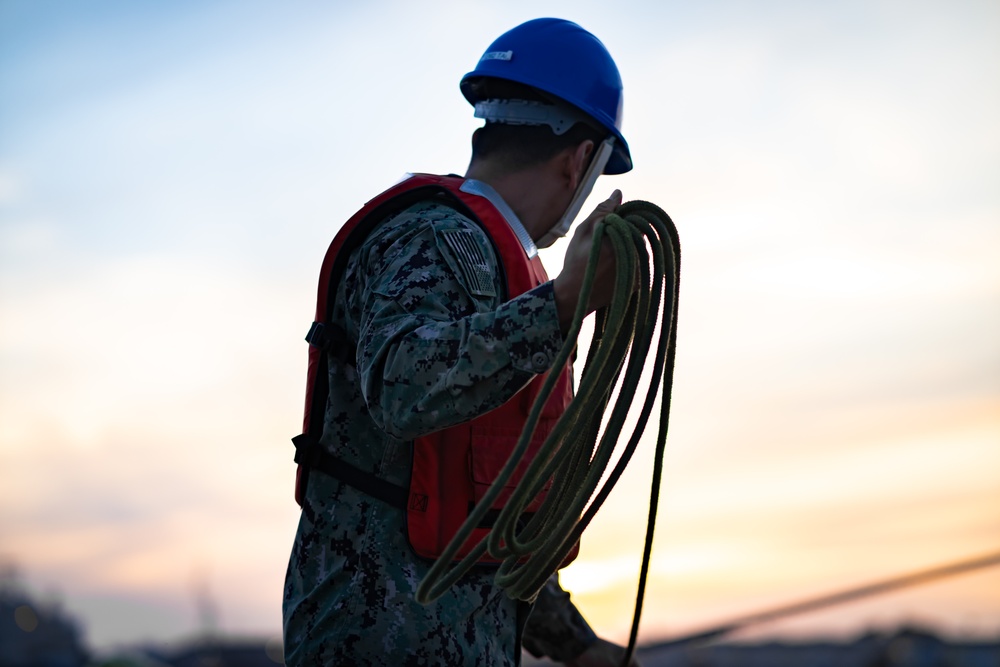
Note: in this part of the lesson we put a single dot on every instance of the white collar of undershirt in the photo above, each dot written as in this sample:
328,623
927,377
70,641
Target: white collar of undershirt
474,187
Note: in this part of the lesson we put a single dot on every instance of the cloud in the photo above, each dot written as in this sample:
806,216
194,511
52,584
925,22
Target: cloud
146,416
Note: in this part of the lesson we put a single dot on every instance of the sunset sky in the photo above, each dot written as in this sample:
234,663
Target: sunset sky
170,177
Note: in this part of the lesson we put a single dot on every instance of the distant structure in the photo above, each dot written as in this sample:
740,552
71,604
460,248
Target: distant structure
225,653
907,647
34,634
208,611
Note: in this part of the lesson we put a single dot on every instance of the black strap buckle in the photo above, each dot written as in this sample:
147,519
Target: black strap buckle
307,450
318,337
333,340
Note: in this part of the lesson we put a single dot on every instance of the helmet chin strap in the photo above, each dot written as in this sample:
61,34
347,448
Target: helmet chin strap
561,228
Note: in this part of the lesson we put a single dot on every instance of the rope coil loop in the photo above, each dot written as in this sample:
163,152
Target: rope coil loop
577,454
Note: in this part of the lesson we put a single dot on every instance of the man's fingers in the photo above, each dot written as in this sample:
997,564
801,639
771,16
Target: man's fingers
610,204
605,207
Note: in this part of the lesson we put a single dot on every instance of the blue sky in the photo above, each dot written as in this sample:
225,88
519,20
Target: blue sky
170,176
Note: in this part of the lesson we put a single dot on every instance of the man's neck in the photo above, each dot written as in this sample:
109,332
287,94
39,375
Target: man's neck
529,192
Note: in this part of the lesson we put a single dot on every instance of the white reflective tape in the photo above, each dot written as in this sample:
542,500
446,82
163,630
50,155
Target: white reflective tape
474,187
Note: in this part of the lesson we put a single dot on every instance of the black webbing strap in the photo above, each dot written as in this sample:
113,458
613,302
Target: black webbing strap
312,456
490,518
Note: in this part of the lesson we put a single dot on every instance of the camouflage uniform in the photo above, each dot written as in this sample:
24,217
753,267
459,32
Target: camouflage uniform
431,353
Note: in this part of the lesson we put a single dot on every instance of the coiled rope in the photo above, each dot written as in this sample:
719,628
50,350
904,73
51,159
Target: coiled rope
645,244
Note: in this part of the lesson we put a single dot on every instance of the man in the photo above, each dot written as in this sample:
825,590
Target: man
426,331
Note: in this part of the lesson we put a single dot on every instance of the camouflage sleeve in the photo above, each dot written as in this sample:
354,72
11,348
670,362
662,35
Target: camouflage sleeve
436,346
555,627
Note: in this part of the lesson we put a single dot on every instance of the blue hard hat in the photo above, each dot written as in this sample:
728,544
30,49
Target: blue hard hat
563,60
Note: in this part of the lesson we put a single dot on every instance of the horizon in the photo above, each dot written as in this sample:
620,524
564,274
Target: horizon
12,588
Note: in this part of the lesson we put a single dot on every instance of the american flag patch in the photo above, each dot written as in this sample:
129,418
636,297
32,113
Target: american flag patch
472,263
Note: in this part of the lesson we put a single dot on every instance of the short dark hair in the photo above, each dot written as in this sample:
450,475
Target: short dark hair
524,145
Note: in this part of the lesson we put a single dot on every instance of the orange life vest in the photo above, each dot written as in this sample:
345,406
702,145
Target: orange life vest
452,468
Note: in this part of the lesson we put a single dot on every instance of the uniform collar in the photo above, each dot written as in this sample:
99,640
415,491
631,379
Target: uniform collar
473,187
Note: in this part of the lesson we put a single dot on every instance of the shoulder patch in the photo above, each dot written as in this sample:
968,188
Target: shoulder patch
475,269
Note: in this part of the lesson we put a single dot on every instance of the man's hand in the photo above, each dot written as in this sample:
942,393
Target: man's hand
567,285
602,653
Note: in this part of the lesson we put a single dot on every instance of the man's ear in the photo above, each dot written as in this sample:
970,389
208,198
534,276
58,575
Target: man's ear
578,161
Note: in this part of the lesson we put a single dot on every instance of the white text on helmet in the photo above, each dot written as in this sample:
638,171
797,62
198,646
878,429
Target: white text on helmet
497,55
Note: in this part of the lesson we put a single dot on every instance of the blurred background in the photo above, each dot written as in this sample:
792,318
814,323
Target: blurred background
171,175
